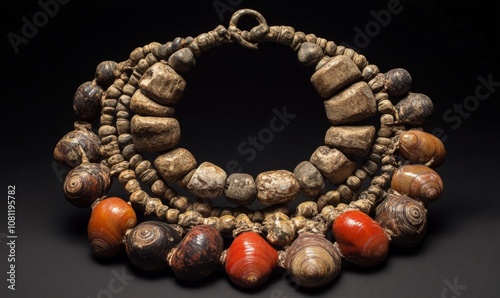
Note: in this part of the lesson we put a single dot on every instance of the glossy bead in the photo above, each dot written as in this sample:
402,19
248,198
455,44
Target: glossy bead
312,261
148,244
422,147
360,238
86,183
109,221
419,182
198,254
250,260
404,218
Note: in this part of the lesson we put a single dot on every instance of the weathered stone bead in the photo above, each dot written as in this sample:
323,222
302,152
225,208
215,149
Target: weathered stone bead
307,209
161,83
385,106
310,179
145,106
202,206
159,187
333,197
183,181
151,206
333,164
339,72
87,101
126,176
190,219
153,134
355,103
309,54
353,182
276,187
172,216
182,61
174,164
346,193
415,109
138,199
208,181
226,224
240,189
351,140
369,72
104,73
397,81
280,229
180,202
369,167
122,126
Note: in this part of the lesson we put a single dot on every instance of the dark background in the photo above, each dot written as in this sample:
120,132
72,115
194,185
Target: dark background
447,46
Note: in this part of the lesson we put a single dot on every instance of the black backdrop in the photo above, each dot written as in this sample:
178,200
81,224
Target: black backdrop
449,47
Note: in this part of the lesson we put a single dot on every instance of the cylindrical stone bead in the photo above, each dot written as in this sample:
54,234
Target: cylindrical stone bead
162,83
310,179
240,189
208,181
333,164
339,72
276,187
370,167
352,104
154,134
351,140
175,164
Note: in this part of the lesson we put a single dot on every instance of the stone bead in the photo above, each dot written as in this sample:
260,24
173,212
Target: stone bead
280,229
355,103
339,72
87,101
275,187
174,164
309,54
351,140
208,181
307,209
163,84
182,61
414,109
332,164
397,81
240,189
310,179
145,106
104,73
153,134
226,224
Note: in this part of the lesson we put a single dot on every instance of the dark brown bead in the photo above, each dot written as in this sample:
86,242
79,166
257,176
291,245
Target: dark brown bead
415,109
87,101
104,73
397,81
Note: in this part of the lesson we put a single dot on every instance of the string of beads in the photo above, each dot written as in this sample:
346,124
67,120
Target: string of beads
134,103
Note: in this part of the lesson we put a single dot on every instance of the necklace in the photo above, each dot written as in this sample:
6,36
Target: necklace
134,103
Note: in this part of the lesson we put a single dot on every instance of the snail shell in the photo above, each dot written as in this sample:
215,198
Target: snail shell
148,244
360,238
422,147
250,260
404,218
312,260
198,254
419,182
109,221
86,183
67,150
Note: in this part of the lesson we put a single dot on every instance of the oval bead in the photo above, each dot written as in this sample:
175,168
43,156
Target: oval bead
108,222
419,182
87,101
86,183
415,109
422,147
198,254
312,261
360,238
404,218
148,244
67,150
250,260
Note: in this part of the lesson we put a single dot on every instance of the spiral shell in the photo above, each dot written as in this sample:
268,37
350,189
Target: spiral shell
67,150
109,221
250,260
148,244
312,260
198,254
404,218
422,147
86,183
360,238
419,182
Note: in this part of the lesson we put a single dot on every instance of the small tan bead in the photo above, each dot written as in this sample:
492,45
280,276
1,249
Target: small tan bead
333,197
159,187
307,209
151,206
180,202
202,206
280,229
346,193
333,164
339,72
175,164
353,182
226,224
172,216
126,176
139,199
162,83
309,54
276,187
208,181
190,219
132,186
